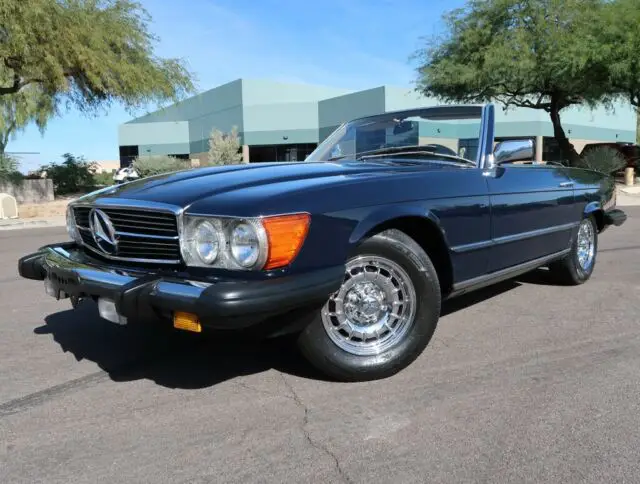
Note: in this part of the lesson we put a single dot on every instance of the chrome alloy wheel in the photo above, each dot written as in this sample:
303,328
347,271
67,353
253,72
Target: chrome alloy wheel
586,245
373,309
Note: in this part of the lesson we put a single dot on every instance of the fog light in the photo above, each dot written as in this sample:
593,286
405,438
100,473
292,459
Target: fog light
187,322
49,289
108,311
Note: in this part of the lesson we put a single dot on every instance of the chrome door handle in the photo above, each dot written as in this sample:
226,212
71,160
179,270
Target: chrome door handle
566,184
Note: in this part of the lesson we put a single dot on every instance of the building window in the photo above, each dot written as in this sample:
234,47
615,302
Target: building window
128,154
270,153
551,150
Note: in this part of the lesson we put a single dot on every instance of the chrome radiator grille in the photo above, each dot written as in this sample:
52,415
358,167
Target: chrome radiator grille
140,235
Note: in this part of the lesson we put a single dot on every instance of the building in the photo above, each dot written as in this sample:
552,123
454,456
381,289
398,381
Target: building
285,122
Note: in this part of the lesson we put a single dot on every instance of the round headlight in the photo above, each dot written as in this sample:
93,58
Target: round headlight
206,241
245,245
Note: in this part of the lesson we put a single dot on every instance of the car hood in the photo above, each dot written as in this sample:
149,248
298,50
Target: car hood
255,181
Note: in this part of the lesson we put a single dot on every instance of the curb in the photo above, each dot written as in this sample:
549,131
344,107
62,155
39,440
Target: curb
630,190
24,224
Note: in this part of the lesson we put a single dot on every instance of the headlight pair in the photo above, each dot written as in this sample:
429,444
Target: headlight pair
244,244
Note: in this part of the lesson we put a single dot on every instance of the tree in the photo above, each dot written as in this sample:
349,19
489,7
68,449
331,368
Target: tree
603,159
224,148
89,53
9,169
17,110
538,54
619,32
157,164
73,175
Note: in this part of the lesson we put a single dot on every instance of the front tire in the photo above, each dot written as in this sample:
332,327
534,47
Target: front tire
576,268
382,317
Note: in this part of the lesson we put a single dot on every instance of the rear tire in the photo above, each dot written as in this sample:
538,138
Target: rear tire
576,268
382,317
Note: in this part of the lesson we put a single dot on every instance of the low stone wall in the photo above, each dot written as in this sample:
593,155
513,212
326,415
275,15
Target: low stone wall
29,191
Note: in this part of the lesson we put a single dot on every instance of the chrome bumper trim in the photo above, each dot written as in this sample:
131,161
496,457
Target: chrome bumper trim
59,258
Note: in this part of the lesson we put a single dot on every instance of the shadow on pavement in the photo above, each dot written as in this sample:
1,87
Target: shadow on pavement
176,359
466,300
166,356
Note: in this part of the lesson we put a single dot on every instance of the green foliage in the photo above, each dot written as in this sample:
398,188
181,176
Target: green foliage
224,148
17,110
602,159
158,164
9,169
90,53
539,54
618,35
103,179
73,175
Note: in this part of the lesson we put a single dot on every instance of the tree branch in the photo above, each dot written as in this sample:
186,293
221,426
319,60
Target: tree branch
15,87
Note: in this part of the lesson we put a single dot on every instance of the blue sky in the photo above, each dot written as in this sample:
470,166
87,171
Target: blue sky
355,44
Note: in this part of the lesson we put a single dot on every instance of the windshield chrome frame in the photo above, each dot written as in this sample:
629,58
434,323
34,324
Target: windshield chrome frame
484,159
485,113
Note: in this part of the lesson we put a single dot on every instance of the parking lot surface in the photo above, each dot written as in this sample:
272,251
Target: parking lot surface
523,382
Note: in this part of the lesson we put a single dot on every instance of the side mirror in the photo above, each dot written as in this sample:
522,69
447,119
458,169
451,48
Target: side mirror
513,150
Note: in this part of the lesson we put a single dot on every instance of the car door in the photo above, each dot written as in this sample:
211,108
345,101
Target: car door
459,201
531,212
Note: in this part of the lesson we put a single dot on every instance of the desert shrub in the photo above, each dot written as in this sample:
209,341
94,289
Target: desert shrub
9,169
158,164
103,179
73,175
224,148
603,159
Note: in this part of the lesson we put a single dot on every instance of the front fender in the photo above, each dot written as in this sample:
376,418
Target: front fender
592,207
385,214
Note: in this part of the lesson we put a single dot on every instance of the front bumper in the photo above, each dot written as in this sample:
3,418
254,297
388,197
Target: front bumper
614,217
218,303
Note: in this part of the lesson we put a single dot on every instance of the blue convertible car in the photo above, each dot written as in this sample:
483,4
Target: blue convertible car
353,249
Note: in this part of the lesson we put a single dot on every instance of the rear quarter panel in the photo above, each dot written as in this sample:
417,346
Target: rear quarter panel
592,191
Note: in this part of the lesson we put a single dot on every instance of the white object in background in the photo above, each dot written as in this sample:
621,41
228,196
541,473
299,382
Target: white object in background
8,206
125,174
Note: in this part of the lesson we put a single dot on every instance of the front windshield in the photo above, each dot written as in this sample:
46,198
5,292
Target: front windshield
448,131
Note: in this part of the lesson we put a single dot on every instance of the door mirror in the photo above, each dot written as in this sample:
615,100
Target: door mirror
513,150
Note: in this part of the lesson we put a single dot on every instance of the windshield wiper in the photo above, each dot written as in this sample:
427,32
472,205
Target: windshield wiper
341,157
388,149
429,150
422,150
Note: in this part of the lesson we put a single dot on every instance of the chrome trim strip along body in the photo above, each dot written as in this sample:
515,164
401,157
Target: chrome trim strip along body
535,233
504,274
513,238
483,244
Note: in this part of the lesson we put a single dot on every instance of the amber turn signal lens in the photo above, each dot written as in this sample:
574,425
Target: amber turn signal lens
187,322
286,234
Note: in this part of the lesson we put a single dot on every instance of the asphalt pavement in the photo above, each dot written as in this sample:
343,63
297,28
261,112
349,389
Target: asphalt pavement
523,382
